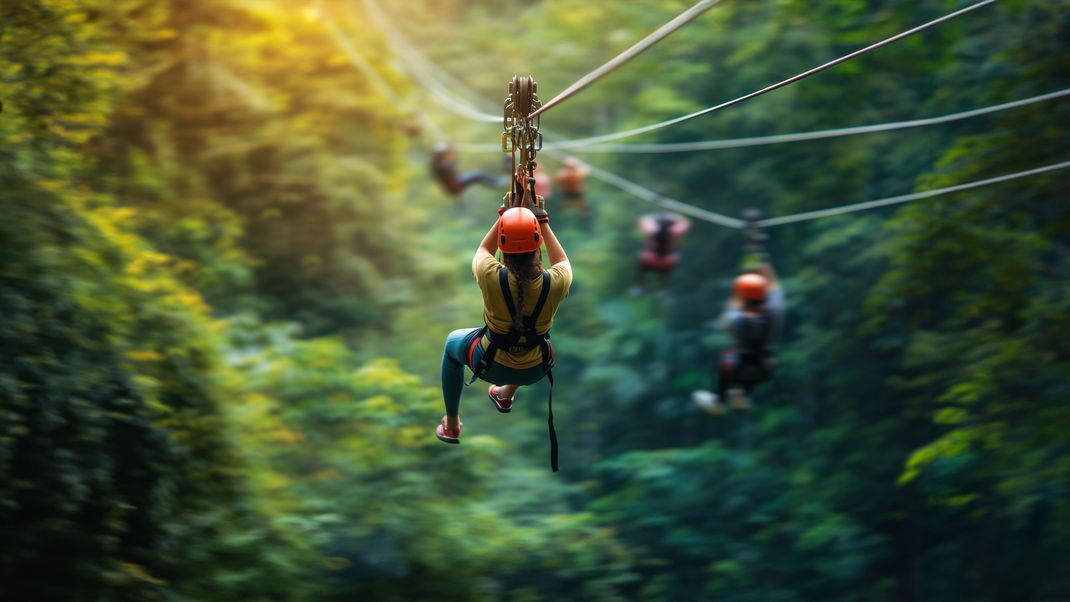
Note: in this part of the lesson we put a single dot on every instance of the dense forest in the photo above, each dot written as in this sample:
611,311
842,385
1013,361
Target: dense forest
227,277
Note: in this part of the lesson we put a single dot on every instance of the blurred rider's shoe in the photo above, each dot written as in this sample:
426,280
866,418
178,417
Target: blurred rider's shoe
708,402
448,435
738,400
503,405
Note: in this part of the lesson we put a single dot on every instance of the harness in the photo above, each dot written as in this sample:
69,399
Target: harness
662,237
753,335
512,343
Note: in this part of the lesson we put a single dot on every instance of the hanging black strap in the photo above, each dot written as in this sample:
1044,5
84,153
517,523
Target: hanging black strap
550,422
531,336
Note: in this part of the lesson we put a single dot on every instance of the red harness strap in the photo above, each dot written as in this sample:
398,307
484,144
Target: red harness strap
650,260
472,350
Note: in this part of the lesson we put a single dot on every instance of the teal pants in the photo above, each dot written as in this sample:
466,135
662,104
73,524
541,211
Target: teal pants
455,358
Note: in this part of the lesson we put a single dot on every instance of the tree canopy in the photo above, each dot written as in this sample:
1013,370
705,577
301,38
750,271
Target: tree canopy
227,277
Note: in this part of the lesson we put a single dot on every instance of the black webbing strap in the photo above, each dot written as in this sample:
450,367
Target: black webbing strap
550,422
531,336
503,280
543,294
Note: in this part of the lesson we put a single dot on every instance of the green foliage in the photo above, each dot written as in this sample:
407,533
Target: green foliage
225,281
348,453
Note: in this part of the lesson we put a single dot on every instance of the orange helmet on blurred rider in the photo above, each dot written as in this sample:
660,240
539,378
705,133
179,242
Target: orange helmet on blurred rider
518,231
751,287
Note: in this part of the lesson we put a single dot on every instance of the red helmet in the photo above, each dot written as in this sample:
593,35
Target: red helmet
518,231
751,287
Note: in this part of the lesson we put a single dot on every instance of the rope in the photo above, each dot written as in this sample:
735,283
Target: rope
425,72
369,72
682,147
790,80
705,145
470,109
906,198
730,222
671,204
638,48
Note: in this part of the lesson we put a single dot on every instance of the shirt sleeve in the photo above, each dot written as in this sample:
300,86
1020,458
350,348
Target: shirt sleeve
486,272
775,303
561,274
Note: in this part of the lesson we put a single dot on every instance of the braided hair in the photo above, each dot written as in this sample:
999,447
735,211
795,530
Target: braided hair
525,267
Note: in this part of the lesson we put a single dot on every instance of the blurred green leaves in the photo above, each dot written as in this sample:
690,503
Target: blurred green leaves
225,280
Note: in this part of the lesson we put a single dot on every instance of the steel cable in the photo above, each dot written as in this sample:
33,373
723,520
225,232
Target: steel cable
781,84
638,48
730,222
906,198
425,72
682,147
728,143
369,72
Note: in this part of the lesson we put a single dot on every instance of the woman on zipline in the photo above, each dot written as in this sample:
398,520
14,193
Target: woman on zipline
519,303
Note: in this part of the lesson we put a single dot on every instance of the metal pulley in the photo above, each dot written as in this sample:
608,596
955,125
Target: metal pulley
754,237
520,134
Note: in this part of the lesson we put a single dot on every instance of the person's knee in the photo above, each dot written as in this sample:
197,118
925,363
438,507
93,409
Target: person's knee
454,338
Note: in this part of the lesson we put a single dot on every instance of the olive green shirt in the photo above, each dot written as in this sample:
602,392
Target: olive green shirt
496,312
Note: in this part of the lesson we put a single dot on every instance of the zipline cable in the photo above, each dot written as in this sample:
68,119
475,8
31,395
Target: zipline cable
420,65
727,143
681,147
729,222
369,72
414,58
426,74
781,84
362,65
428,71
906,198
441,78
638,48
663,201
723,220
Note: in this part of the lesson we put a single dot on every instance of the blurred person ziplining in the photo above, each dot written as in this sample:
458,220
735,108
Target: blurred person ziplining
754,317
520,300
663,231
572,180
444,169
544,186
